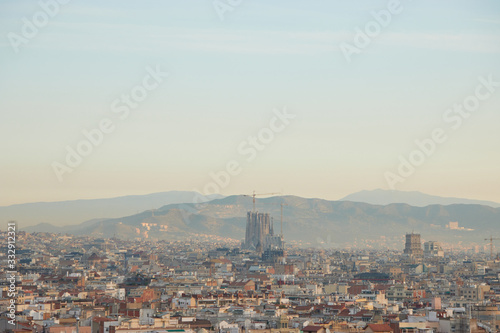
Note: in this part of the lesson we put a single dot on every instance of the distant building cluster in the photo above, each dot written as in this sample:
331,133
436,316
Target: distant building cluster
260,237
433,249
208,284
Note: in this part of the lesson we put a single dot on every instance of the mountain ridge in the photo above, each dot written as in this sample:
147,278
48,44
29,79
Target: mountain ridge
305,221
69,212
413,198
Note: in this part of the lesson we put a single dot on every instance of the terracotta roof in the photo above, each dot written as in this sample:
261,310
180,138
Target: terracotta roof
344,312
101,319
304,307
356,289
380,327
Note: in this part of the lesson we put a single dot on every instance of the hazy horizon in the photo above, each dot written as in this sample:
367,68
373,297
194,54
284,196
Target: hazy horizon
256,96
197,198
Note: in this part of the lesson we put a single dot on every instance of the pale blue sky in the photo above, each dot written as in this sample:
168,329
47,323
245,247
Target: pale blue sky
352,121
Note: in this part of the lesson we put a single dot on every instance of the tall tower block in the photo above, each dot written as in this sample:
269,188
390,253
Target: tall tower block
413,245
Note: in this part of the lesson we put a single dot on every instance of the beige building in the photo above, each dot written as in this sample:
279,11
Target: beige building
413,246
474,292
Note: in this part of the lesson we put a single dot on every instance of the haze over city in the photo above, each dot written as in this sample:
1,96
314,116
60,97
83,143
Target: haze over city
237,166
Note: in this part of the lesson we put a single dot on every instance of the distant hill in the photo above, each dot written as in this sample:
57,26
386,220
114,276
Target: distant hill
63,213
307,222
413,198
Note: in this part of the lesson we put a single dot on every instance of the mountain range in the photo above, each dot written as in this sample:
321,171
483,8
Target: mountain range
306,222
67,213
63,213
412,198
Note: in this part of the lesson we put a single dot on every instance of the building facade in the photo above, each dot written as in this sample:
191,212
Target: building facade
259,225
413,245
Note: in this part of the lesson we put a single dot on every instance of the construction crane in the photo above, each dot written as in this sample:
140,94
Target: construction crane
281,205
491,239
255,194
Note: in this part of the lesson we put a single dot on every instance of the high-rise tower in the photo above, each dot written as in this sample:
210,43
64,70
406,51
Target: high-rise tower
413,246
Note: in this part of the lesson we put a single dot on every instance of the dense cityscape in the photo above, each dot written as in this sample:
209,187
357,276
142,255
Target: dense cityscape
66,283
237,166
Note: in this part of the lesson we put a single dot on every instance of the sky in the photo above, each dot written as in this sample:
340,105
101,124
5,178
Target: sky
309,98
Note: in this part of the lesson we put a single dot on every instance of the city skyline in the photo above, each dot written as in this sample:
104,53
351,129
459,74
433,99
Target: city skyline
236,166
